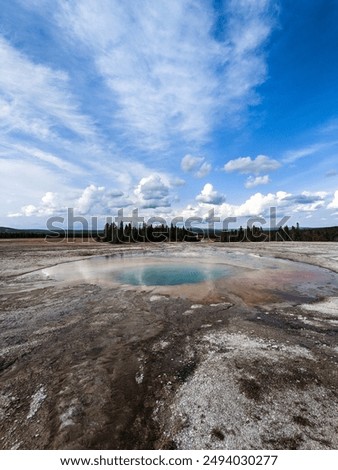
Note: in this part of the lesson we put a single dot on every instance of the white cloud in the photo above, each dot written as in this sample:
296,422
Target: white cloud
49,205
244,165
311,207
152,192
256,205
334,203
197,165
99,200
93,200
186,79
46,157
90,197
34,98
177,182
28,174
191,163
307,201
209,195
36,105
24,182
204,170
294,155
252,181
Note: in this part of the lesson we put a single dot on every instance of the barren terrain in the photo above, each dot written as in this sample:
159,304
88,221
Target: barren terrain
248,364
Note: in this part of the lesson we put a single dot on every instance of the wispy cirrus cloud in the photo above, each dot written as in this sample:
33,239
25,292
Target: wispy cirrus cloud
49,146
167,74
37,154
35,99
293,155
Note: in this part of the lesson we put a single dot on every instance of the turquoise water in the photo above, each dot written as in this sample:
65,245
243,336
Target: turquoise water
171,274
174,269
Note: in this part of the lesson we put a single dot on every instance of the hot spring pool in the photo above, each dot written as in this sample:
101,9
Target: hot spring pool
171,274
206,271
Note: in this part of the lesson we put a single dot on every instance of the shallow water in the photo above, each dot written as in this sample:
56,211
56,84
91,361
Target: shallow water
143,270
197,273
171,274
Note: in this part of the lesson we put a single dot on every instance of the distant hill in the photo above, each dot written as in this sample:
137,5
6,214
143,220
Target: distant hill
254,234
8,230
9,233
18,230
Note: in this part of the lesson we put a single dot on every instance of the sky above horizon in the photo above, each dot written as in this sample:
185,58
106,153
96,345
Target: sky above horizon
175,108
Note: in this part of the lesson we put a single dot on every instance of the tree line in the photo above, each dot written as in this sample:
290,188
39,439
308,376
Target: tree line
163,233
121,233
147,233
294,233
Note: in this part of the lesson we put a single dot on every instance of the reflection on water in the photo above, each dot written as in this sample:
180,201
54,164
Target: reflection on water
171,274
143,270
245,274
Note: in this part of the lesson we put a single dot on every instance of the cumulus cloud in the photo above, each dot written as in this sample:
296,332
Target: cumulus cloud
257,205
204,170
209,195
252,181
191,163
90,196
307,197
92,200
49,205
306,201
196,165
25,182
100,201
245,165
334,203
152,192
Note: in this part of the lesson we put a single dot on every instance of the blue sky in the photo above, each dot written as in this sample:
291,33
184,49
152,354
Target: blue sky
172,107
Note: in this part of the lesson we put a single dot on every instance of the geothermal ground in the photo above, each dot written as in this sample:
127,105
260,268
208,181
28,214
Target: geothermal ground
243,363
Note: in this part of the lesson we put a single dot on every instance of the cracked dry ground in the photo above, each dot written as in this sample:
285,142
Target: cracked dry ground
89,366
